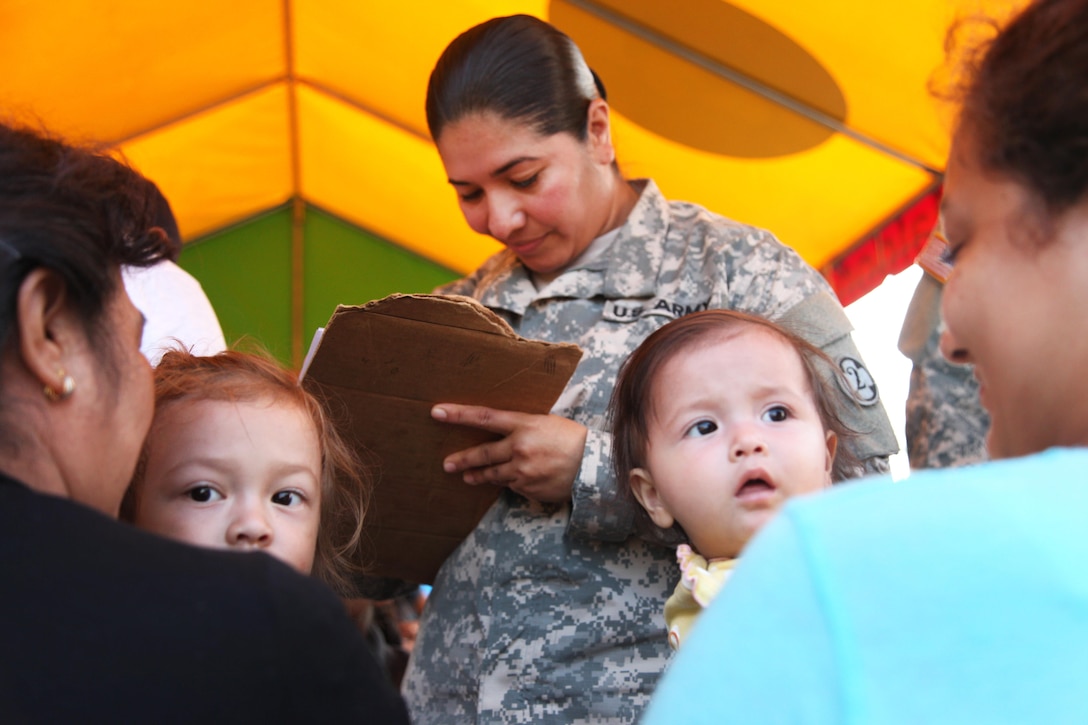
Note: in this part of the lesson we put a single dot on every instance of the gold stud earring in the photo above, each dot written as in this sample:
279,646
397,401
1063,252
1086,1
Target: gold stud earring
67,387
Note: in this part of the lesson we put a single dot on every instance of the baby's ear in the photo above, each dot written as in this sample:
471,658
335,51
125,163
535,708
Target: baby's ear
832,447
642,484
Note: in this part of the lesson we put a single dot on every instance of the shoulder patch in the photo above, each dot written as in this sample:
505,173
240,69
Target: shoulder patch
857,381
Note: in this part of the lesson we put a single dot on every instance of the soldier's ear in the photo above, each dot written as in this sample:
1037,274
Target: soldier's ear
599,132
642,485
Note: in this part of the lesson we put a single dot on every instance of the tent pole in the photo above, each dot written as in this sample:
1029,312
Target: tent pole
298,206
298,224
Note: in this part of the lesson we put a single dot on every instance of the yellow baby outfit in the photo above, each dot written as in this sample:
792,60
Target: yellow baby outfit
700,582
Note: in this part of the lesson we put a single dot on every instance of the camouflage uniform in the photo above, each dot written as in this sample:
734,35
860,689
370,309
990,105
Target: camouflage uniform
946,424
552,613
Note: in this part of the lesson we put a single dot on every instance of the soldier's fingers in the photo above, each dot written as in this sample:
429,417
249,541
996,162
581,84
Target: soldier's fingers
481,456
501,475
477,416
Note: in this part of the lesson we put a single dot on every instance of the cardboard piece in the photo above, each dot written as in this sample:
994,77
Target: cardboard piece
381,367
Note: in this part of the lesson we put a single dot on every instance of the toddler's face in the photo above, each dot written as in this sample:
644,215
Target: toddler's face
234,475
734,431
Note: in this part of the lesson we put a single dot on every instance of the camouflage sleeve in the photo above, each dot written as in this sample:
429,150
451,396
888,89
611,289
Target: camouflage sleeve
821,320
599,508
922,318
946,425
876,466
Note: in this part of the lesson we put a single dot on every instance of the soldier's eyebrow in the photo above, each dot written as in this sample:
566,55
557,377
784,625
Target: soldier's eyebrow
499,171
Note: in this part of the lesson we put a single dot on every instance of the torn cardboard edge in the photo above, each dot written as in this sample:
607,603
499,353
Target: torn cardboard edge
380,368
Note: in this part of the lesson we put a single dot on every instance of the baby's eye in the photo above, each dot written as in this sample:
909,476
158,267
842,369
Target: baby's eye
702,428
472,195
203,494
776,414
287,498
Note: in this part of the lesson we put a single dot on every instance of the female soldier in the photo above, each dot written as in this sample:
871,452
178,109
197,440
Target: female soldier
550,608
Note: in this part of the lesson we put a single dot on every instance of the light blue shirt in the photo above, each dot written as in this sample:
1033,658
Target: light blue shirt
956,596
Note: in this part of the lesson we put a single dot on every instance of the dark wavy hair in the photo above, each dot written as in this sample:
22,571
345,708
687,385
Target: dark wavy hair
631,406
518,67
78,213
1024,98
250,376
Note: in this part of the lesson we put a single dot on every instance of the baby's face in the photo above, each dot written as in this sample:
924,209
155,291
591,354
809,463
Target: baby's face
234,475
734,432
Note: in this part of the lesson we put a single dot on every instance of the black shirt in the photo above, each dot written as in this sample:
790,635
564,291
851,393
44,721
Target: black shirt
101,622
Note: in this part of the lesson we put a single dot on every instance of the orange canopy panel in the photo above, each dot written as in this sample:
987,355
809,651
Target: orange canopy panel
813,120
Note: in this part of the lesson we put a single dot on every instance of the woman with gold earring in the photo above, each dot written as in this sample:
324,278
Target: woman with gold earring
101,622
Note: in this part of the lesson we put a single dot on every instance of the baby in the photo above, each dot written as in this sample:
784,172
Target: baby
240,457
718,418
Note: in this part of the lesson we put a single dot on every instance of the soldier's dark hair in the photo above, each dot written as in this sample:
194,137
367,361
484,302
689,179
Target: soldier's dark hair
631,406
518,67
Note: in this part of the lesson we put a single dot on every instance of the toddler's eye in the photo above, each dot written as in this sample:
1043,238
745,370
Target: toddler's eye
287,498
203,494
472,195
702,428
776,414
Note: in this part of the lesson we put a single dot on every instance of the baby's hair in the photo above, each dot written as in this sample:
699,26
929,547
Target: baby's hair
632,399
234,376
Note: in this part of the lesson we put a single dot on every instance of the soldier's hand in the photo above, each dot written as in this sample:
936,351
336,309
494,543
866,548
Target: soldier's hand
538,455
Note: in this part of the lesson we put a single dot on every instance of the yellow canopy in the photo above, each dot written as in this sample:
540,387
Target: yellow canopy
811,119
